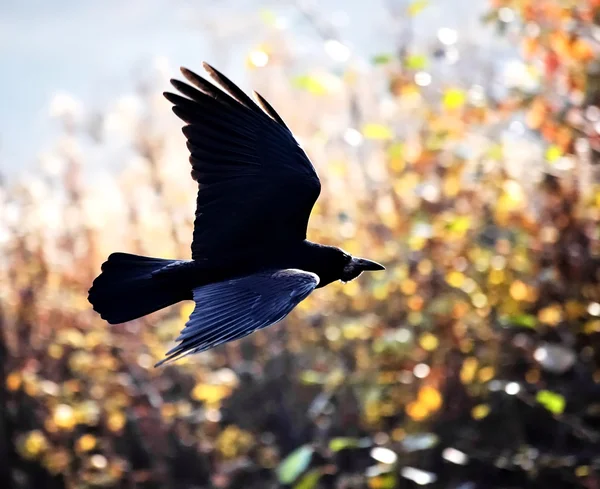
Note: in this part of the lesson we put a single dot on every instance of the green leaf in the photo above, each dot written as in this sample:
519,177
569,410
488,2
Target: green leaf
377,131
524,320
417,6
310,84
310,480
337,444
294,464
416,62
553,402
382,59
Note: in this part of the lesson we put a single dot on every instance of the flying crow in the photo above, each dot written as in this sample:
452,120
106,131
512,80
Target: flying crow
251,262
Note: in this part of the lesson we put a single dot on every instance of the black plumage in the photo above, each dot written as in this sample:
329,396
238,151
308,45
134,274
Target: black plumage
251,262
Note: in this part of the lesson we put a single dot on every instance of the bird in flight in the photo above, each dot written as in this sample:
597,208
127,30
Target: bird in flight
251,262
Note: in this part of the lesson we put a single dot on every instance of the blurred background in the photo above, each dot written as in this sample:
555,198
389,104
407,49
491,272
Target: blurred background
457,141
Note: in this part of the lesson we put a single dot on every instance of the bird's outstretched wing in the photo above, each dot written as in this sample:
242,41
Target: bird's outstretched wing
257,187
229,310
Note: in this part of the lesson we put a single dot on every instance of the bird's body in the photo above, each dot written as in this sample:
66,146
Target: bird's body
251,262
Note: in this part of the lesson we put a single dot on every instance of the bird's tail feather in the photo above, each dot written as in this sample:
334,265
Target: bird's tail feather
127,289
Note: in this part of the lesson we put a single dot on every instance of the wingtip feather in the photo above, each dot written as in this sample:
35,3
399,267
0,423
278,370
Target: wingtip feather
208,68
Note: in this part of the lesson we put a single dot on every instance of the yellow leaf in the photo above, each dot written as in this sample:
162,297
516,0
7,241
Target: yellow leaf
210,393
86,443
553,402
34,444
454,98
518,290
417,411
417,6
486,374
268,17
468,370
311,84
64,417
116,421
455,278
377,131
480,411
553,153
551,315
430,397
429,342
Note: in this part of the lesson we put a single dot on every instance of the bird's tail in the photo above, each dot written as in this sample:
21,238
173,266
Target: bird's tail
128,287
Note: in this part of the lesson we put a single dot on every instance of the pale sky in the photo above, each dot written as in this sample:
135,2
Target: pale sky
92,49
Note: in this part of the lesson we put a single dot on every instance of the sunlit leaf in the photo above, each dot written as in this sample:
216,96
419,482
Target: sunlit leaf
311,84
495,152
32,444
430,397
294,464
337,444
310,480
377,131
13,381
416,62
553,402
268,17
553,153
454,98
551,315
312,377
480,411
210,393
417,411
387,480
381,59
417,6
429,342
523,320
86,443
396,150
459,225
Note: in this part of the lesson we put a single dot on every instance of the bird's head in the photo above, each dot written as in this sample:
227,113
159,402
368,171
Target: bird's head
331,263
352,267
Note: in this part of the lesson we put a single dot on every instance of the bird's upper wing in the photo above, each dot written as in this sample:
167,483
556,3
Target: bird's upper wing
229,310
257,187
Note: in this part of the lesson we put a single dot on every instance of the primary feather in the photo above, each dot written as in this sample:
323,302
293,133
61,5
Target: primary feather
249,168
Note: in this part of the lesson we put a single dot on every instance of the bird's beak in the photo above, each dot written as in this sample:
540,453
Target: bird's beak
366,265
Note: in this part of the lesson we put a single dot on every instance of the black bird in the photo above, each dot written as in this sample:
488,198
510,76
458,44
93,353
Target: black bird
251,262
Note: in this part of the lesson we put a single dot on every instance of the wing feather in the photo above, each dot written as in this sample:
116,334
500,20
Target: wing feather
229,310
256,185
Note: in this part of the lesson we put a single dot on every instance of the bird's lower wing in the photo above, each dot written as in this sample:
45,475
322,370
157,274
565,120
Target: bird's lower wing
229,310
